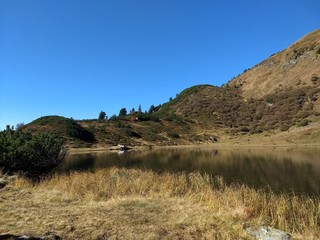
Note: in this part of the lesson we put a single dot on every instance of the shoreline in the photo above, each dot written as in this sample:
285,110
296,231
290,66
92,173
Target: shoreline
78,150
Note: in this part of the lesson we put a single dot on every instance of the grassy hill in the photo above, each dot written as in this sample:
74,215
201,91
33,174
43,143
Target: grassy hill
293,68
70,129
278,100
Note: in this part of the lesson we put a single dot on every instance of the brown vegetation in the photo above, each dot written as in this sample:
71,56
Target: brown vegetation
120,203
293,67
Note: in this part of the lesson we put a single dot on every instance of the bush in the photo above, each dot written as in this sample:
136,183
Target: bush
284,128
122,125
173,135
147,117
315,79
244,129
303,123
131,133
269,99
35,154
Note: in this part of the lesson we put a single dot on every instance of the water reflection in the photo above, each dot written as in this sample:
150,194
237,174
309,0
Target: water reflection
283,169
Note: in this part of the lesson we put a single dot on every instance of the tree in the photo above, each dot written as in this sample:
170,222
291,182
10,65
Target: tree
132,114
123,112
154,109
20,126
139,109
151,109
102,115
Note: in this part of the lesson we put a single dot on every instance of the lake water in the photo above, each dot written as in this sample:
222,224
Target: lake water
282,169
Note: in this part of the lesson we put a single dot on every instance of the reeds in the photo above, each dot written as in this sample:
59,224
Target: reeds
238,203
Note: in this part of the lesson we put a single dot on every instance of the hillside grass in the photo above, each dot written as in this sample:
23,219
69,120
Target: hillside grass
137,204
68,128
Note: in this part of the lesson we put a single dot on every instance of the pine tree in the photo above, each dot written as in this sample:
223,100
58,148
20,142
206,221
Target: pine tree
102,115
123,112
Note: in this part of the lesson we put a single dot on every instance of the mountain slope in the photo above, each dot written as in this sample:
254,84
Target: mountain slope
212,107
296,66
278,93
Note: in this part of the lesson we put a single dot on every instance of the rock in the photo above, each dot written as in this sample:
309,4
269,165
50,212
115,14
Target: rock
123,147
213,138
120,147
46,236
51,236
268,233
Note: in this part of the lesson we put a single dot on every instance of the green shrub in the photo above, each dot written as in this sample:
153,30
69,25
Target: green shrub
284,128
315,79
303,123
35,154
318,51
270,99
244,129
132,133
122,125
173,135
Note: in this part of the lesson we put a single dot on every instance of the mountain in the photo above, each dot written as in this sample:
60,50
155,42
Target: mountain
294,67
279,94
275,102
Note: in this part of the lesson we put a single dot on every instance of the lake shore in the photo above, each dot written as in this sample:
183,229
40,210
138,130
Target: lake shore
76,150
128,203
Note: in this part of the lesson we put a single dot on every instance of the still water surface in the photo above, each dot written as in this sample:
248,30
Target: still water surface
282,169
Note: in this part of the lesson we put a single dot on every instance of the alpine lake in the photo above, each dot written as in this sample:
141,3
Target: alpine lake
293,170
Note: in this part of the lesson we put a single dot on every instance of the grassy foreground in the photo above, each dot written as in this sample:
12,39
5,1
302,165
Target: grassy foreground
136,204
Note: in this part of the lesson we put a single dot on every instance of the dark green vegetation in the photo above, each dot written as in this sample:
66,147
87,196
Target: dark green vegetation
102,115
34,154
68,128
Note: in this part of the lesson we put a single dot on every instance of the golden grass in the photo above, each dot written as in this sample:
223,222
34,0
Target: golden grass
143,204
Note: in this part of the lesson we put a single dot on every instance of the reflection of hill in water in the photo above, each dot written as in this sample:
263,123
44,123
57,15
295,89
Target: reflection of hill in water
282,169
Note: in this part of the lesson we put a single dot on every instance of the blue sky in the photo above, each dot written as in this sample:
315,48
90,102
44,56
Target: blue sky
76,57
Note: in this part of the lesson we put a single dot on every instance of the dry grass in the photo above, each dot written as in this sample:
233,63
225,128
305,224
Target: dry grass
135,204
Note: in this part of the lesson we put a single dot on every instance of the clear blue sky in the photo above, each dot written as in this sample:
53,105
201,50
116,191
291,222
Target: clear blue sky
76,57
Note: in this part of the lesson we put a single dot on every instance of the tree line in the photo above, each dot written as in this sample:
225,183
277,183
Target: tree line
123,112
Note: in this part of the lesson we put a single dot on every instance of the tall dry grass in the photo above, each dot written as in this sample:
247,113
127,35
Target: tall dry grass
238,203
